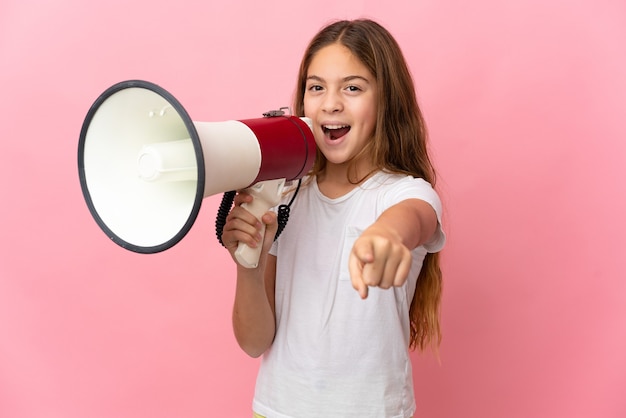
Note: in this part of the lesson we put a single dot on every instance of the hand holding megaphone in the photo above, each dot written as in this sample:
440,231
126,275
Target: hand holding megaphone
266,195
145,166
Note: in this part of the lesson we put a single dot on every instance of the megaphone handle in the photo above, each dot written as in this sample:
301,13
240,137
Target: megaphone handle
266,194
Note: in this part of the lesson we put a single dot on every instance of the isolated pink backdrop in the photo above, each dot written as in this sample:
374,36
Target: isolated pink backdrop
526,102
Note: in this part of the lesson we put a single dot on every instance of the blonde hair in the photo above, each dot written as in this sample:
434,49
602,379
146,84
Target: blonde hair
399,144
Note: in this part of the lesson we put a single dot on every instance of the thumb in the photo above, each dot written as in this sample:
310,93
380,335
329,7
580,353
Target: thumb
271,226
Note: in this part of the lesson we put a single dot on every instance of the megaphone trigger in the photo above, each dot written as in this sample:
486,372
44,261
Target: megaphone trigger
266,195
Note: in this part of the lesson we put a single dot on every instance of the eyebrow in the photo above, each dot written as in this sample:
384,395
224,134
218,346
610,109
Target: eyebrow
345,79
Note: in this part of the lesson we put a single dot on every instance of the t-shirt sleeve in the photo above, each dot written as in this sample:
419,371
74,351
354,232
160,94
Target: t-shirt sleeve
417,188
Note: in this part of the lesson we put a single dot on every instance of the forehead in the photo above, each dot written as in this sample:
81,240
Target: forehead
336,60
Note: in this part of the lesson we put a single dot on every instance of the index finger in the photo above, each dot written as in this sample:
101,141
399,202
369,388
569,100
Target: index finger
355,266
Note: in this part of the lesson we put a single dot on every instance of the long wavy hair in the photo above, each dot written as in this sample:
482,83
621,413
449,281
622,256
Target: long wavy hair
399,144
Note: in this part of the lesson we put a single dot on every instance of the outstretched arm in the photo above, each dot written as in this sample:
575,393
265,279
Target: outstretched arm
381,256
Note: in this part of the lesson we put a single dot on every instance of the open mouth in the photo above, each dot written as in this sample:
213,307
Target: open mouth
335,131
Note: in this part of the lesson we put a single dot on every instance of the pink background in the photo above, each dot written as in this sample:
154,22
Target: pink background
526,103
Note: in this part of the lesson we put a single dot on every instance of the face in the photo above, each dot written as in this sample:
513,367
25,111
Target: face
340,99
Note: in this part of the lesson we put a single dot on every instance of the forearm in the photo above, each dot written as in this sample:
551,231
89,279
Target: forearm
412,221
254,323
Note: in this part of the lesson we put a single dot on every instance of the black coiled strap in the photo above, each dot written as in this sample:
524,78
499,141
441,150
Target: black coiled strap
227,204
222,213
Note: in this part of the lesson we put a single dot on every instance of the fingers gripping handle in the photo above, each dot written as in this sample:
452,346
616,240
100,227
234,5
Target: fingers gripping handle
266,195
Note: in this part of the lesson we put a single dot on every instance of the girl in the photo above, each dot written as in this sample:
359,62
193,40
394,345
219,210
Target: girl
353,282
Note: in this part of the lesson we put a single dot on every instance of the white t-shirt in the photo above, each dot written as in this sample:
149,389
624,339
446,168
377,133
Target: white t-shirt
334,354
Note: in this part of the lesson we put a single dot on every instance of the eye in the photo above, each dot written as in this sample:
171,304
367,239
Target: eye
314,87
353,88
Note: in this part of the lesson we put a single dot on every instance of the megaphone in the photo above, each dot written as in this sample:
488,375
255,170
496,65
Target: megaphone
145,166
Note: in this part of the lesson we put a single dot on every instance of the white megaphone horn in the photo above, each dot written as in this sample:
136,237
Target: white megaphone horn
145,166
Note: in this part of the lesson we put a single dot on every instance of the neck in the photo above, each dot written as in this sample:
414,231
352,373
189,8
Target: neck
337,180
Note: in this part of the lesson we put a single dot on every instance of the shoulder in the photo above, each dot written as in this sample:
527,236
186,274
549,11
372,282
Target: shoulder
398,187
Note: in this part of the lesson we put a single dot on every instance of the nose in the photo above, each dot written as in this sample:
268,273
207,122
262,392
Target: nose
332,102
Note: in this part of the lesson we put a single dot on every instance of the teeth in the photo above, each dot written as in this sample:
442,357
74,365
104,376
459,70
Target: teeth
334,126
